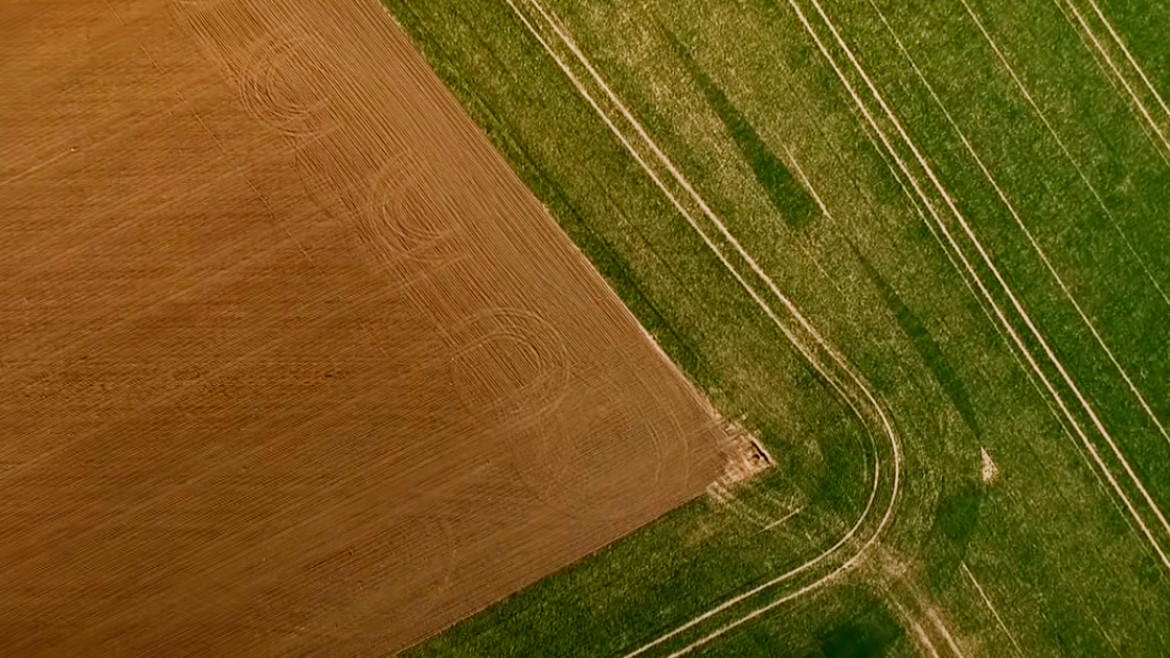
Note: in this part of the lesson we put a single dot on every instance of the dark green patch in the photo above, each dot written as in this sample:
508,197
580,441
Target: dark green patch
604,255
958,512
955,521
924,343
867,636
795,205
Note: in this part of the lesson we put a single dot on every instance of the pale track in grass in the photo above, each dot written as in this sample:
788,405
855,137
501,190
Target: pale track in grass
1116,84
1129,56
1062,421
1096,44
989,263
991,606
687,186
921,637
1064,149
1032,241
868,397
945,632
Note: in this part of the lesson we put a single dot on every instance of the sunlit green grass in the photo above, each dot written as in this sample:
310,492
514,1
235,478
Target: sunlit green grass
739,97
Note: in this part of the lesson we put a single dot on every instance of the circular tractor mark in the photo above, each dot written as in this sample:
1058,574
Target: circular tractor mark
407,216
602,461
282,84
508,362
393,213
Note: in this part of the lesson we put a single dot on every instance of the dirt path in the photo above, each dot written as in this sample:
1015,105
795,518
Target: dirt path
292,360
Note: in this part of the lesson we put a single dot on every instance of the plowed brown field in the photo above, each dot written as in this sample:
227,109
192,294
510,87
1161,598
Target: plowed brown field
291,360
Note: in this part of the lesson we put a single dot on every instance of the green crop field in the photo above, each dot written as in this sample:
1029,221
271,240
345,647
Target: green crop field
921,250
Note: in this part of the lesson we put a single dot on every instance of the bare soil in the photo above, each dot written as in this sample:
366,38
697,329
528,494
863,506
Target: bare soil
291,360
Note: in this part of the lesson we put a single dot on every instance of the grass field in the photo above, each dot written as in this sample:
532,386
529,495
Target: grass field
920,249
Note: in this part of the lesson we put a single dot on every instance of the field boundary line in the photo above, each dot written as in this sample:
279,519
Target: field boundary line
1064,149
689,188
792,338
836,356
804,350
821,341
991,606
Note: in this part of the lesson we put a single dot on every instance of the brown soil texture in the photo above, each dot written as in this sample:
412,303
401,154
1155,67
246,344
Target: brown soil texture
292,362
